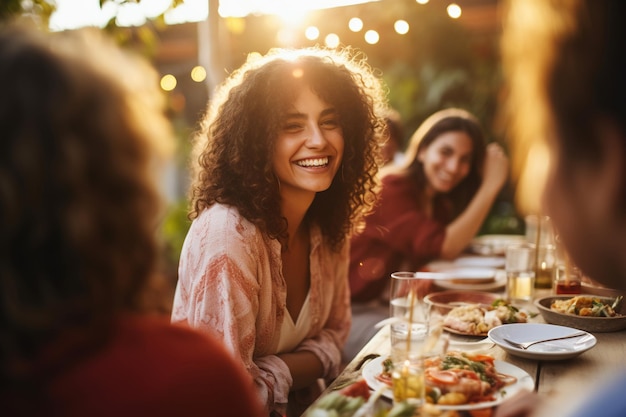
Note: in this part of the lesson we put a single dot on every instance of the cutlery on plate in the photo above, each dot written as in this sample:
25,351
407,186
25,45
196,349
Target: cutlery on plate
526,345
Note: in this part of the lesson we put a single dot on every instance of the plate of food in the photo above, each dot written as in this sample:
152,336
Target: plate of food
444,301
479,319
495,244
591,313
457,381
548,350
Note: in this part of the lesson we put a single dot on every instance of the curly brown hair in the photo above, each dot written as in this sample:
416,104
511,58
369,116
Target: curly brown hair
82,126
232,161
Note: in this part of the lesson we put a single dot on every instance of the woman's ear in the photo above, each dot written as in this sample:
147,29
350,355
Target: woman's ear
420,156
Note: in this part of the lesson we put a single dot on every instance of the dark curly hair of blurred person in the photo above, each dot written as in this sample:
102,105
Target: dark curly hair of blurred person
232,154
78,205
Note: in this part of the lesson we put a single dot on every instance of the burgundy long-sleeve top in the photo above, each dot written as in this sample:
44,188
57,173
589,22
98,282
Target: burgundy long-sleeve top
398,235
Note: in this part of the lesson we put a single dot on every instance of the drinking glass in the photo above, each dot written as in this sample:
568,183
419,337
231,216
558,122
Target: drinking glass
416,334
539,230
520,272
545,266
410,330
408,381
568,279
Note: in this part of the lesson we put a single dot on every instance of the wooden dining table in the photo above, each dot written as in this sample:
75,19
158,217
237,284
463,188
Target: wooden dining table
559,385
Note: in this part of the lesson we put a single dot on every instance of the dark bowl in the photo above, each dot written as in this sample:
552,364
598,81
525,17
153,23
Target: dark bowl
589,324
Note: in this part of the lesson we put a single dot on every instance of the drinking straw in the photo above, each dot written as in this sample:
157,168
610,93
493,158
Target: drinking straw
537,241
411,308
405,367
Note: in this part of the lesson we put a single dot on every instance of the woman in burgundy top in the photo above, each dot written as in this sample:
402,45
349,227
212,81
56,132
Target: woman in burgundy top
430,207
83,132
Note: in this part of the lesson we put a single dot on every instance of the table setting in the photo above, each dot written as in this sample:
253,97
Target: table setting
409,365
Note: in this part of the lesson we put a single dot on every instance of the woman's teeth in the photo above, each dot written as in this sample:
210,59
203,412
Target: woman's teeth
318,162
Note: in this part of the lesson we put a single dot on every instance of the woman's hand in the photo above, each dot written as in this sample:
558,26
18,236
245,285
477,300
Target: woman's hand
495,168
304,366
460,232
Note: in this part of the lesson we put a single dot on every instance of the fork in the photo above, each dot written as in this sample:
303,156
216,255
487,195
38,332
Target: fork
526,345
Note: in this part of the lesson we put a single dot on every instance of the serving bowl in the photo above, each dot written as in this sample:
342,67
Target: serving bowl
444,301
589,324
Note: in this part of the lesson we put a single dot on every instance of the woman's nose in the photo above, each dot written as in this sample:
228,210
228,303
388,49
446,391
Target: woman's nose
315,137
453,164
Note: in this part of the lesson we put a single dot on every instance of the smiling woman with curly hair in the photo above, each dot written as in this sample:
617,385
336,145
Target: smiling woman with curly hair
284,169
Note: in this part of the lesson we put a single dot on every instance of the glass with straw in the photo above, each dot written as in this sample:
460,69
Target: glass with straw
413,335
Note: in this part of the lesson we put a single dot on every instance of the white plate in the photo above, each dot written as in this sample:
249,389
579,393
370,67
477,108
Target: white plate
498,282
554,350
480,261
450,270
524,382
495,244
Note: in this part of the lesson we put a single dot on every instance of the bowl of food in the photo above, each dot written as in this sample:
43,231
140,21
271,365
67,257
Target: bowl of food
588,312
444,301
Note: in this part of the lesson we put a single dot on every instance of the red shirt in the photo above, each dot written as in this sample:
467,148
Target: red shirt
398,235
148,368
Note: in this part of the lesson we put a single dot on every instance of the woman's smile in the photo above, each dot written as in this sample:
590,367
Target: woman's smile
313,162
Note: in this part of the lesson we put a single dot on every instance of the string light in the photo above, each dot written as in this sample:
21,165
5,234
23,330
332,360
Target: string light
168,82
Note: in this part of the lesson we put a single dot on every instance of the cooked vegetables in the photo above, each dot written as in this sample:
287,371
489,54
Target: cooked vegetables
352,401
478,319
586,306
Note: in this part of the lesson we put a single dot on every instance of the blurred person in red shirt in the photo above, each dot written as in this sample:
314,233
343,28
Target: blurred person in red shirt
82,132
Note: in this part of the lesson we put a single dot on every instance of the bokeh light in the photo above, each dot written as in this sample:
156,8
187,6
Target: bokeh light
372,37
355,24
331,40
454,10
401,27
168,82
312,33
198,73
235,25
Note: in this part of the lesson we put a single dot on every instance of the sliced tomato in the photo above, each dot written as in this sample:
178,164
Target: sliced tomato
483,412
357,389
434,361
477,357
465,373
437,377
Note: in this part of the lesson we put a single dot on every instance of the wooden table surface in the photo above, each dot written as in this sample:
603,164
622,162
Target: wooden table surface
560,384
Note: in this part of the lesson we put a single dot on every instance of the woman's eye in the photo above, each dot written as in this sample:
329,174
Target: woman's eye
446,152
330,123
292,127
